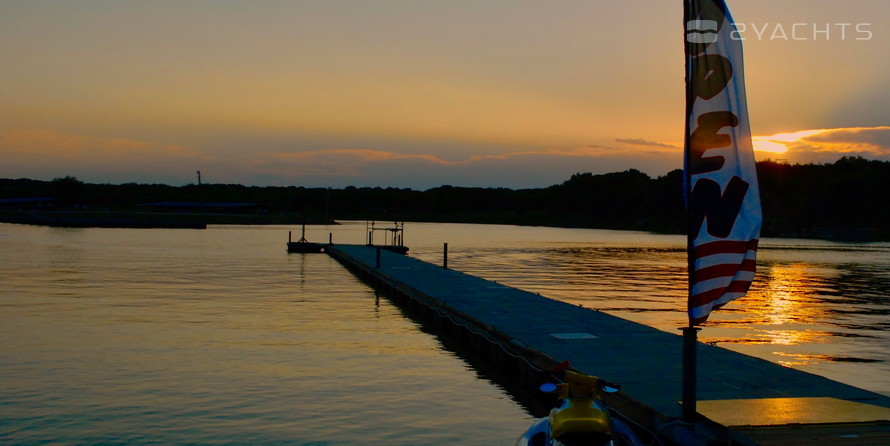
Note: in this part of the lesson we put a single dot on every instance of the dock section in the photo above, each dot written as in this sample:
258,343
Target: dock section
528,334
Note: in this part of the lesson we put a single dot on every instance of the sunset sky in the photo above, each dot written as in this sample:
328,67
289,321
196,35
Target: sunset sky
414,93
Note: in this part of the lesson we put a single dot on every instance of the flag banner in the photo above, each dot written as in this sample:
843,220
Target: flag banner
721,191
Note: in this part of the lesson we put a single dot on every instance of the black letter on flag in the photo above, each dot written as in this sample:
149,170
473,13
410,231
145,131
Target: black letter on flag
721,211
705,138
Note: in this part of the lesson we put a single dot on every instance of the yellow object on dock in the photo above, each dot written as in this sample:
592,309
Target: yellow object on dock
804,421
782,411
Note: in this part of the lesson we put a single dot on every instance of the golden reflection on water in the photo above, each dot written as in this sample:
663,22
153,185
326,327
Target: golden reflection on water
785,295
797,359
784,299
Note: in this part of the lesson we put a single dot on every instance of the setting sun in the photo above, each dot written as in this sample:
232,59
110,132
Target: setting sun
779,142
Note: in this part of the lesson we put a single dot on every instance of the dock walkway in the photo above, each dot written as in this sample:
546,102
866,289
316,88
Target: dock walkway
646,361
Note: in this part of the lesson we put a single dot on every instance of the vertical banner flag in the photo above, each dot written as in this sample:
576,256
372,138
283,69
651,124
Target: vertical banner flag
722,196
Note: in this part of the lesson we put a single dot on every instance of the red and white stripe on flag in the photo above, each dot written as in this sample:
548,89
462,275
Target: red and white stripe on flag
722,196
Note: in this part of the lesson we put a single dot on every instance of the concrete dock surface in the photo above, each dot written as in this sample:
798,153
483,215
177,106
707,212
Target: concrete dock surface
645,361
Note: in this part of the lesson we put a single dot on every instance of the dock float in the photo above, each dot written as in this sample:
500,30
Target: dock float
742,399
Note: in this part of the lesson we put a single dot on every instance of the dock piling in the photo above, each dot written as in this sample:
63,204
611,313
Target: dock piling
445,256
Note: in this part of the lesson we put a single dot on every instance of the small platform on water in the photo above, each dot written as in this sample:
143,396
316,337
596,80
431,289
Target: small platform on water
307,247
646,361
303,245
393,239
310,247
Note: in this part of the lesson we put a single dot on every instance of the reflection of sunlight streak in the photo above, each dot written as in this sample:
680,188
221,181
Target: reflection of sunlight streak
783,282
793,337
800,359
776,309
784,337
785,292
812,358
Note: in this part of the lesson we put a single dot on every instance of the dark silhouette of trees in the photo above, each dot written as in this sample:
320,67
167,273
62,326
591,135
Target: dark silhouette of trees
847,200
69,190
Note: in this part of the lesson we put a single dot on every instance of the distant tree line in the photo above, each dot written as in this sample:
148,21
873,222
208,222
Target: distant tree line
847,200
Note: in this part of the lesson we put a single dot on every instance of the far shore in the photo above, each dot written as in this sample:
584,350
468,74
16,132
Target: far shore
200,220
129,219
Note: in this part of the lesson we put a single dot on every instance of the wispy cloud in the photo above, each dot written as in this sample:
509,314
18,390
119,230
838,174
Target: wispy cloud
48,145
643,142
47,153
361,156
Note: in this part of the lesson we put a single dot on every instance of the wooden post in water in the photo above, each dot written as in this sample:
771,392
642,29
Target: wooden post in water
330,238
445,256
288,236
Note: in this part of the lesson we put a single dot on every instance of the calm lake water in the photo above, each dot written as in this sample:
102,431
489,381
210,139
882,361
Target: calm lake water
220,336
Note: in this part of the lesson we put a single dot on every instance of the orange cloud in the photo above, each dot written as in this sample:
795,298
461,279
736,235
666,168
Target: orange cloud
45,154
356,154
778,143
825,144
332,162
644,142
48,146
590,151
348,161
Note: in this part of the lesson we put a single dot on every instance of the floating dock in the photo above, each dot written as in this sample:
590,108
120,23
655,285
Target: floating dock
302,245
741,399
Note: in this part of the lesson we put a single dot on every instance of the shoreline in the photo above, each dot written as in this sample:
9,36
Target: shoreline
142,220
199,220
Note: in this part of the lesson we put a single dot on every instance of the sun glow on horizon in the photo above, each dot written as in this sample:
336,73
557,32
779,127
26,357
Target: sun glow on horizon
779,142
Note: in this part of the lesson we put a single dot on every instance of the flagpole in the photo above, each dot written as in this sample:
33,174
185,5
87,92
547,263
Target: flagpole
690,333
723,203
